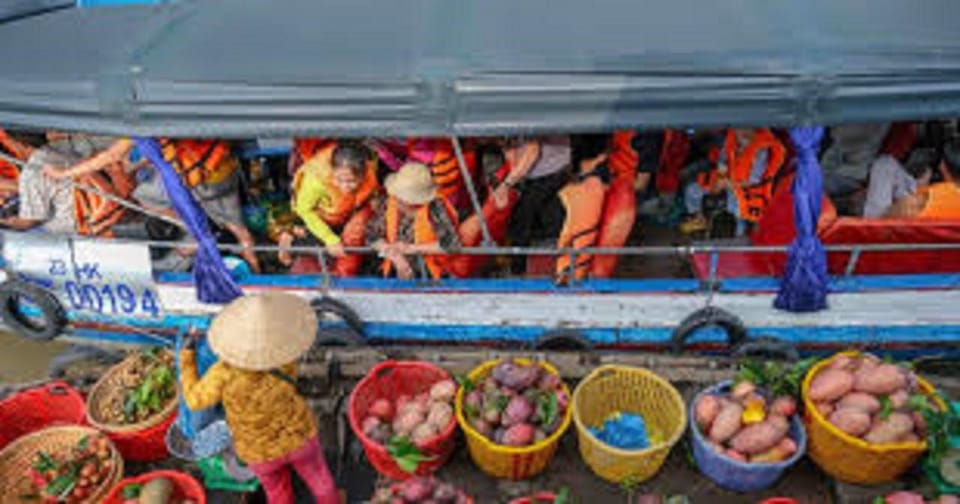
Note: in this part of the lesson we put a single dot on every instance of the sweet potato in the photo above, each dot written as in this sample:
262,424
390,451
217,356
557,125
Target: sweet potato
903,497
760,437
742,390
890,429
706,410
899,399
830,385
909,437
853,421
727,423
735,455
825,408
843,362
861,401
784,405
881,380
771,456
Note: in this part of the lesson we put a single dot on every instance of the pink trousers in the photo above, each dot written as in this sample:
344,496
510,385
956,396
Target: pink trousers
310,465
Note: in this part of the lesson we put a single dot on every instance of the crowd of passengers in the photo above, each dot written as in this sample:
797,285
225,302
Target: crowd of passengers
408,198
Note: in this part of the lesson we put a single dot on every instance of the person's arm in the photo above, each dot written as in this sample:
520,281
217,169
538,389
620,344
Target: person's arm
114,154
19,223
309,192
200,393
448,239
522,158
19,149
907,207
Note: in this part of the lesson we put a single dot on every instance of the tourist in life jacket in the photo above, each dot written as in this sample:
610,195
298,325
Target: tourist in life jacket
890,181
413,226
212,173
745,171
936,201
583,203
258,340
333,194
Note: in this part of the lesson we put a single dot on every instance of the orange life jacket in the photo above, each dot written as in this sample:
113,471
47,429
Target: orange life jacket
199,161
583,201
306,148
423,232
752,199
442,161
943,202
95,214
337,210
619,203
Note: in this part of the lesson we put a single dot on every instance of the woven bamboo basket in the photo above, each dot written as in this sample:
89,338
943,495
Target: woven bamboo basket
20,456
109,382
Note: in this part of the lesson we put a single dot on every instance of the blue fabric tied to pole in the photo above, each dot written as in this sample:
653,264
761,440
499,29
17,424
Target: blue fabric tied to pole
210,275
803,287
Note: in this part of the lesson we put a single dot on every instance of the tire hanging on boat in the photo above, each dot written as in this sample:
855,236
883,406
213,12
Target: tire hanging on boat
706,317
351,335
52,317
768,347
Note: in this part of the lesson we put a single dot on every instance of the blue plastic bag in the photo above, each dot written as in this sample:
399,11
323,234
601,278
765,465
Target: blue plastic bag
627,431
190,422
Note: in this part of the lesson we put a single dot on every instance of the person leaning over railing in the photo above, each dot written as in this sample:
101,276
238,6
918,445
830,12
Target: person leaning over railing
936,201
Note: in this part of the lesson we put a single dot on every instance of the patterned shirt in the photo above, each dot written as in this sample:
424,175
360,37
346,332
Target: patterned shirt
443,226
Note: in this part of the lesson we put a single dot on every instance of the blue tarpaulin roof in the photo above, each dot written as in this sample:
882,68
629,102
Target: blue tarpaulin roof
432,67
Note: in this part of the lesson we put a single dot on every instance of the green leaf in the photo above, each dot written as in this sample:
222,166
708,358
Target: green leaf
878,500
501,402
46,462
84,443
407,465
465,383
62,485
548,408
471,411
887,359
563,496
132,491
886,407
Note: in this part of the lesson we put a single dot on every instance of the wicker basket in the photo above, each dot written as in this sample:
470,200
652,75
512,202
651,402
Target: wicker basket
20,455
143,441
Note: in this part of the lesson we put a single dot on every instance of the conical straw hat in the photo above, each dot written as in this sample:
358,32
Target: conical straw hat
262,332
412,184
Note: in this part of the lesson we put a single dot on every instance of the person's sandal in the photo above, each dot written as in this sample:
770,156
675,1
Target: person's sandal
694,224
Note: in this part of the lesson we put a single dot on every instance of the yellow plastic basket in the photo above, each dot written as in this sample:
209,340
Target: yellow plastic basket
612,388
852,459
508,462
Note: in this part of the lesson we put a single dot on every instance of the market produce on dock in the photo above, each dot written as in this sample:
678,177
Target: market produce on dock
420,418
72,475
142,389
155,491
745,426
421,490
870,399
517,404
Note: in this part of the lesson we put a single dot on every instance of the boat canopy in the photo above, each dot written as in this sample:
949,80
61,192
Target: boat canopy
475,67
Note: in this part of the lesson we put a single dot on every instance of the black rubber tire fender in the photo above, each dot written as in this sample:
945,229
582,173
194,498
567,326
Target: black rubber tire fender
351,335
768,347
562,340
53,314
706,317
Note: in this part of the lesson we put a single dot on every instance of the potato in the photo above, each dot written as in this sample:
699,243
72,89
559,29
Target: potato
706,410
890,429
861,401
441,414
727,423
156,491
407,421
423,433
824,408
760,437
853,421
443,390
899,399
881,380
784,405
830,385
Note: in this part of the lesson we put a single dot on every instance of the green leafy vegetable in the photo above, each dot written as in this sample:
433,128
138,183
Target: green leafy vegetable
465,383
777,378
132,491
45,462
405,453
563,496
501,402
941,427
471,411
150,396
886,407
63,485
878,500
548,408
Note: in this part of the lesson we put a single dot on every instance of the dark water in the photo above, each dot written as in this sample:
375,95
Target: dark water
22,360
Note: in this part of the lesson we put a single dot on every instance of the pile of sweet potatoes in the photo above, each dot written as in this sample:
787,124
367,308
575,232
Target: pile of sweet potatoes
745,426
870,399
420,418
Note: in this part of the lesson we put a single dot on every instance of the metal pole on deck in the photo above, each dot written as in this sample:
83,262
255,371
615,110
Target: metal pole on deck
468,180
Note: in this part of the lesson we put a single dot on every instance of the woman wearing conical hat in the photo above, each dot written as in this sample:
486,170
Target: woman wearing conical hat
258,340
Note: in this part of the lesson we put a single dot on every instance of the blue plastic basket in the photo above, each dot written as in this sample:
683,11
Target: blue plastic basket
734,475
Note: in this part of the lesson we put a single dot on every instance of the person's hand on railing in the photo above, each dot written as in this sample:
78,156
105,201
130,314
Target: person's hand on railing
336,250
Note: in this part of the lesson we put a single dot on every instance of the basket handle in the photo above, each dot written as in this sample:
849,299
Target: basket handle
383,369
603,371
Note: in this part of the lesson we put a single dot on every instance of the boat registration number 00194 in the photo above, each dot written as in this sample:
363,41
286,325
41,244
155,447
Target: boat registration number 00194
90,276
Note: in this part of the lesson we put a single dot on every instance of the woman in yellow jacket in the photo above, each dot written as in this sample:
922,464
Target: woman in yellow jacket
258,340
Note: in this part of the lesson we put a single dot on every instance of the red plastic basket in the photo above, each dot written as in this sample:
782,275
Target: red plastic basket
40,407
185,486
146,445
389,380
537,498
